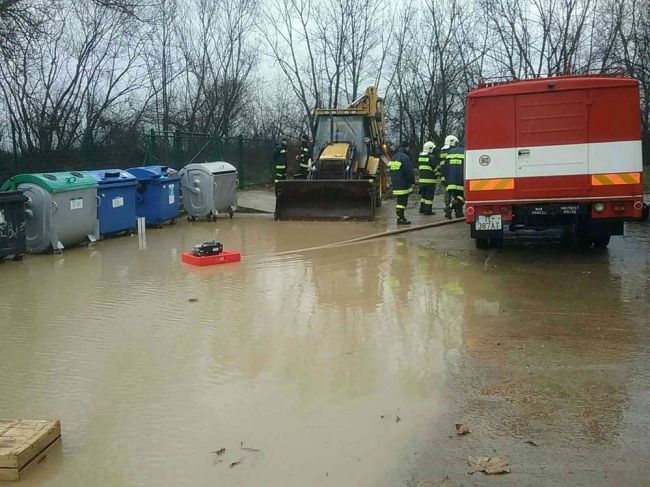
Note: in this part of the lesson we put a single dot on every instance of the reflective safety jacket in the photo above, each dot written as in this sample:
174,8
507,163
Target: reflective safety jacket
442,168
428,169
454,172
304,156
280,159
401,173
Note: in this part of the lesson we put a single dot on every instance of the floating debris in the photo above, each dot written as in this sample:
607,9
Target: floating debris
489,465
219,452
241,444
462,429
234,464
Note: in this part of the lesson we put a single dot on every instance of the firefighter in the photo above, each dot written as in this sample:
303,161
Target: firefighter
429,175
442,169
280,160
402,179
454,176
304,158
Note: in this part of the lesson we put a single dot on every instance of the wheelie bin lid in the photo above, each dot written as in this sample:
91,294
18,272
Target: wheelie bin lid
12,197
53,182
113,177
219,167
150,173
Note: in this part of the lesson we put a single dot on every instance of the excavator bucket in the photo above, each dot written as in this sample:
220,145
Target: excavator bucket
326,199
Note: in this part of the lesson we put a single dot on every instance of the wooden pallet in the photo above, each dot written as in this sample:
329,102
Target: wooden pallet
24,443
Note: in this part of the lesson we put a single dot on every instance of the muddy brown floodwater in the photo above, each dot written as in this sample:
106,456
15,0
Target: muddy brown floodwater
335,367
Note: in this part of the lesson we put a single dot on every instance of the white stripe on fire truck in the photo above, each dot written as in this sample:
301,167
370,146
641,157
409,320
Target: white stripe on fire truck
535,200
554,160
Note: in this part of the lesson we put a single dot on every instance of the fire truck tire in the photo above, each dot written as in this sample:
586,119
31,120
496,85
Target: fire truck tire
567,238
602,242
584,242
482,243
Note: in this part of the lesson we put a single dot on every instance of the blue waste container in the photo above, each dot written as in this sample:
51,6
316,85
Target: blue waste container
158,193
116,192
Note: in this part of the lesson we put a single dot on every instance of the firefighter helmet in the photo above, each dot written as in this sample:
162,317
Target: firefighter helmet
429,147
451,140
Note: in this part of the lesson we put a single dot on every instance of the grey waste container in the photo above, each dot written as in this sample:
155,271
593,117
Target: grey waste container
61,209
209,188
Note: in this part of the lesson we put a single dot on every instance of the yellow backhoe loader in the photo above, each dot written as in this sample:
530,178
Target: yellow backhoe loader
348,175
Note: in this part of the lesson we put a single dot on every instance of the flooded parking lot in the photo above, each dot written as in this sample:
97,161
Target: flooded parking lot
340,366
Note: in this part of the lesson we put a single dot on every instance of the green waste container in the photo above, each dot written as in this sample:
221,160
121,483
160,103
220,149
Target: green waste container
61,209
12,224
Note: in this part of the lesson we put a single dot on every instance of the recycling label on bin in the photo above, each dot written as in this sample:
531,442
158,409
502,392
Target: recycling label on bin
76,203
118,201
172,198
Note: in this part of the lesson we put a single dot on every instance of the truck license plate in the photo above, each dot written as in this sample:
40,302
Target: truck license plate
488,222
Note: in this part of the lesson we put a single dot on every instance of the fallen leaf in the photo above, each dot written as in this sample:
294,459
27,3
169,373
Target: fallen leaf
193,300
489,465
462,429
398,419
234,464
219,452
531,442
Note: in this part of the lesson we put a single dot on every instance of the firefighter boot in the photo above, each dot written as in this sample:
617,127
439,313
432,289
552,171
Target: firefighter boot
423,207
458,208
401,219
447,212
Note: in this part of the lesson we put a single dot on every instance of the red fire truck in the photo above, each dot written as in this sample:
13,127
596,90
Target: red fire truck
553,152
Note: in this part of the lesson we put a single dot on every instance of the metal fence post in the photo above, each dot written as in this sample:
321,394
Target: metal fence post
150,147
178,147
240,156
218,150
13,144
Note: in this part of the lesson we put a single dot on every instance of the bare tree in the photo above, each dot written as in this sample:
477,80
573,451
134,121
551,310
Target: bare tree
219,55
291,44
60,85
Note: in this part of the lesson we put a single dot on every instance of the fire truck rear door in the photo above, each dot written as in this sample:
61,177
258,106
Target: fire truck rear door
552,144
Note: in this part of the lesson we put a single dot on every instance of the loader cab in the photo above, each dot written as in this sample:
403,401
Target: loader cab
340,146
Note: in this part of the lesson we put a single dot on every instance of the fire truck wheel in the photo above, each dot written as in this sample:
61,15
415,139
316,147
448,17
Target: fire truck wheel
482,243
602,242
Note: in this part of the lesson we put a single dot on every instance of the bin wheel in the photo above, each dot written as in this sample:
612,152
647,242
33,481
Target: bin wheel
231,213
18,258
213,217
191,218
173,221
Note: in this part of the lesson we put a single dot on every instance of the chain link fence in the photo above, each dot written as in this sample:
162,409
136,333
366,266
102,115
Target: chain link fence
252,157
